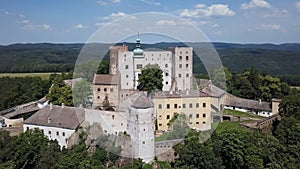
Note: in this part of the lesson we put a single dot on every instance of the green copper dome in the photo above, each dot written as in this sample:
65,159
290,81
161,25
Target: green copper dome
138,52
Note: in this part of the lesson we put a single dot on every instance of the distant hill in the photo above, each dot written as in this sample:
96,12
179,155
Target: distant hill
282,59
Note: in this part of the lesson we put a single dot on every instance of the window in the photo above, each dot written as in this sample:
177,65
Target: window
139,66
204,115
197,122
203,122
180,52
180,58
159,106
111,89
143,142
168,106
180,65
63,133
191,105
57,133
126,66
167,74
175,106
98,97
197,116
42,131
167,82
98,89
166,65
191,116
160,124
197,105
183,105
179,75
113,117
27,128
187,75
168,117
105,89
187,65
186,52
49,132
126,76
204,105
187,58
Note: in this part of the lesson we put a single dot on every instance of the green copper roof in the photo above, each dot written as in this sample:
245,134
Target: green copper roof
138,52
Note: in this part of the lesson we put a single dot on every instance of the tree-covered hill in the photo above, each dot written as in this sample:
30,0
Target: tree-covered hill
273,59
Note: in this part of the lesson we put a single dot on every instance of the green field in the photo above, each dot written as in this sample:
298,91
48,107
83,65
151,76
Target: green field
44,76
241,114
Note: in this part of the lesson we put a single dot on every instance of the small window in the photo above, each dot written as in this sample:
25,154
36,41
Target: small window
187,58
197,122
183,105
186,52
168,117
105,89
49,132
186,65
160,106
98,90
191,116
168,106
204,115
27,128
179,75
139,66
180,52
160,124
98,97
166,65
143,142
175,106
204,105
203,122
187,75
111,89
197,115
180,58
57,133
42,131
167,74
126,66
180,65
167,82
191,105
126,76
63,133
197,105
113,117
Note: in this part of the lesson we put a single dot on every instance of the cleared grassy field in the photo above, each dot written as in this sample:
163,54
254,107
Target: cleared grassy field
44,76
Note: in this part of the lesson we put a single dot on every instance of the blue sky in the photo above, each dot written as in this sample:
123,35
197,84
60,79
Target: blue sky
72,21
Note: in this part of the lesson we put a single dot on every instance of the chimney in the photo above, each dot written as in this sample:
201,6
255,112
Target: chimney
63,105
49,120
51,106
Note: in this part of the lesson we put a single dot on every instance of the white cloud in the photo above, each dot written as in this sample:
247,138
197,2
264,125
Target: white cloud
36,27
150,2
298,6
80,26
270,27
25,21
215,25
256,4
106,2
207,11
22,16
276,13
114,16
166,22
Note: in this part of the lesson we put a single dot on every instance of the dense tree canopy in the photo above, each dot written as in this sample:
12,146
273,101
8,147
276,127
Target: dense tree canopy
151,78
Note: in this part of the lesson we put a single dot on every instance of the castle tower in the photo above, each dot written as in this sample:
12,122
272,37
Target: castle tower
141,127
113,53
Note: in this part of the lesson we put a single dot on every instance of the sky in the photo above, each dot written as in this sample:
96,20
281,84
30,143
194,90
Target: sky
75,21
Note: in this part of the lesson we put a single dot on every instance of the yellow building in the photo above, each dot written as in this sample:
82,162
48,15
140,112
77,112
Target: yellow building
194,104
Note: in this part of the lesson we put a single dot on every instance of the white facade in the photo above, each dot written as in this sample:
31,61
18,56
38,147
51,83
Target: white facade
177,66
62,135
141,130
